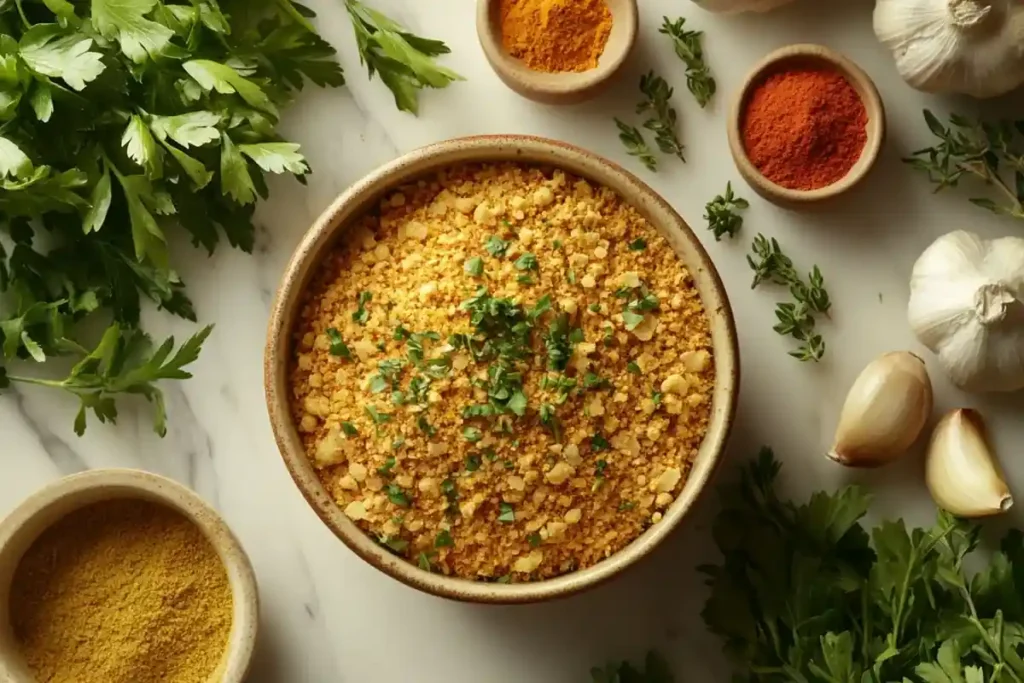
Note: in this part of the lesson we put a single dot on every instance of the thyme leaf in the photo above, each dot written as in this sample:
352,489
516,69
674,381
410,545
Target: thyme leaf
635,145
689,48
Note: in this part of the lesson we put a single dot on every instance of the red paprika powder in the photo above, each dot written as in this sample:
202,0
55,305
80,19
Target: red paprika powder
804,128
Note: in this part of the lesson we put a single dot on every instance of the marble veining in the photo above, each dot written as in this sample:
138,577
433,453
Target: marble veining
327,616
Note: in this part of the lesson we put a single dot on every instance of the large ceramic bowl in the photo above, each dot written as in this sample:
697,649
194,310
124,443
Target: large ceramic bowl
362,197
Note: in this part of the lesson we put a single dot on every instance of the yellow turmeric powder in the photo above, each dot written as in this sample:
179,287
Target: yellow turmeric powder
556,35
121,591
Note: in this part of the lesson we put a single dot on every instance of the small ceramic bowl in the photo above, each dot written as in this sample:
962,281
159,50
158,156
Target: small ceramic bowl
812,56
345,212
44,508
557,88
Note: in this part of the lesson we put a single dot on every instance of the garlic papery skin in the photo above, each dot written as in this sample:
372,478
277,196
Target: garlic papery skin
973,47
738,6
885,411
962,474
967,306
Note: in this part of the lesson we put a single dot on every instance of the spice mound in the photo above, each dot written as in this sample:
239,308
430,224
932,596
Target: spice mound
122,591
503,374
555,35
804,129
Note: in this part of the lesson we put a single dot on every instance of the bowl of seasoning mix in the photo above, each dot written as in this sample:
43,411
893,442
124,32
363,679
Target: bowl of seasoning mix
121,576
807,125
556,51
501,369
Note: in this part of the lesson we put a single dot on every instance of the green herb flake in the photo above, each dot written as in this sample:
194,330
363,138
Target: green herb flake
557,244
361,315
508,513
397,496
599,443
571,277
401,334
627,505
474,266
338,346
349,429
526,261
524,280
389,464
424,562
472,434
633,367
378,417
534,539
639,244
595,308
656,398
632,320
425,426
496,246
444,539
472,463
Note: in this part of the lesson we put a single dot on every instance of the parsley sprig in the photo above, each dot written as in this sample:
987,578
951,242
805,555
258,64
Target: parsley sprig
849,603
689,48
723,214
635,145
990,152
663,119
404,61
123,362
796,318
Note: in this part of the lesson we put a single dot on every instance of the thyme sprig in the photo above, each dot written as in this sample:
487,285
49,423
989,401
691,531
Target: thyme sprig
990,152
797,317
662,121
722,214
635,145
689,48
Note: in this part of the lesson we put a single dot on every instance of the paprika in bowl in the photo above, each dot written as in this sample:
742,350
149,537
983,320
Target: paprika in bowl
808,125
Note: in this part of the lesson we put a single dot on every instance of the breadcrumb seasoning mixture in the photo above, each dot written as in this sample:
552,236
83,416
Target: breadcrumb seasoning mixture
503,374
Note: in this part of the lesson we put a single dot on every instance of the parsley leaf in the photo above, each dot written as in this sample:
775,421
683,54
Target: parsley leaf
397,496
526,261
444,539
508,513
474,266
639,244
472,434
361,315
338,346
496,246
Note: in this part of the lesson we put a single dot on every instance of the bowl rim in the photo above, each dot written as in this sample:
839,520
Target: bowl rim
73,492
554,86
862,83
363,195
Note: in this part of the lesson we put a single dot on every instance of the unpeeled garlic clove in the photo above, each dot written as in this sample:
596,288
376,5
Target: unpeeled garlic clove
962,474
885,411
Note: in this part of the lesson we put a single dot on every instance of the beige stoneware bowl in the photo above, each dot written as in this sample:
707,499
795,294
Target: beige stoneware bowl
361,198
63,497
808,55
557,88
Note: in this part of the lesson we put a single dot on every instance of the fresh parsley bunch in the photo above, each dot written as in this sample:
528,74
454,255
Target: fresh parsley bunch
805,593
121,123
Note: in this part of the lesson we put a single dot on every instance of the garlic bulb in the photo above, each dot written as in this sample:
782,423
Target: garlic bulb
962,474
967,306
973,47
737,6
884,412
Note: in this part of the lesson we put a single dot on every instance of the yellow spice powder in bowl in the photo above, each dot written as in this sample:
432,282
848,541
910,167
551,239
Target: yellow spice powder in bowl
118,576
508,374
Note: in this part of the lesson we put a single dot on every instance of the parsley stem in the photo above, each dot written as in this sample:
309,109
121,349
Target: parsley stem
21,12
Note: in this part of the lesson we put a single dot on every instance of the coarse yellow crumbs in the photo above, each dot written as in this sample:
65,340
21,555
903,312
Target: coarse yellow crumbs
504,373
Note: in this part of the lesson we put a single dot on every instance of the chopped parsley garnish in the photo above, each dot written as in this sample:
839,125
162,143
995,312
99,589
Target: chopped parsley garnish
377,417
524,280
389,464
423,561
517,404
542,306
639,244
599,443
551,421
361,315
595,308
504,579
496,246
508,465
633,367
425,426
508,513
526,261
451,494
401,334
656,398
602,465
631,319
472,463
557,244
648,302
444,539
338,347
397,496
378,384
349,429
627,505
397,443
472,434
571,277
395,544
474,266
534,539
592,381
559,342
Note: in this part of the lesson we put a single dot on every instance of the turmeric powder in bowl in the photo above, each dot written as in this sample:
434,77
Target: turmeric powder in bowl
556,35
121,591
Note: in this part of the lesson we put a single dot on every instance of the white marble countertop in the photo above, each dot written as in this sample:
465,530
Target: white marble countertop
326,615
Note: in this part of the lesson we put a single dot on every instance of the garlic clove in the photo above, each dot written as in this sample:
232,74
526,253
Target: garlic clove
885,411
962,474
